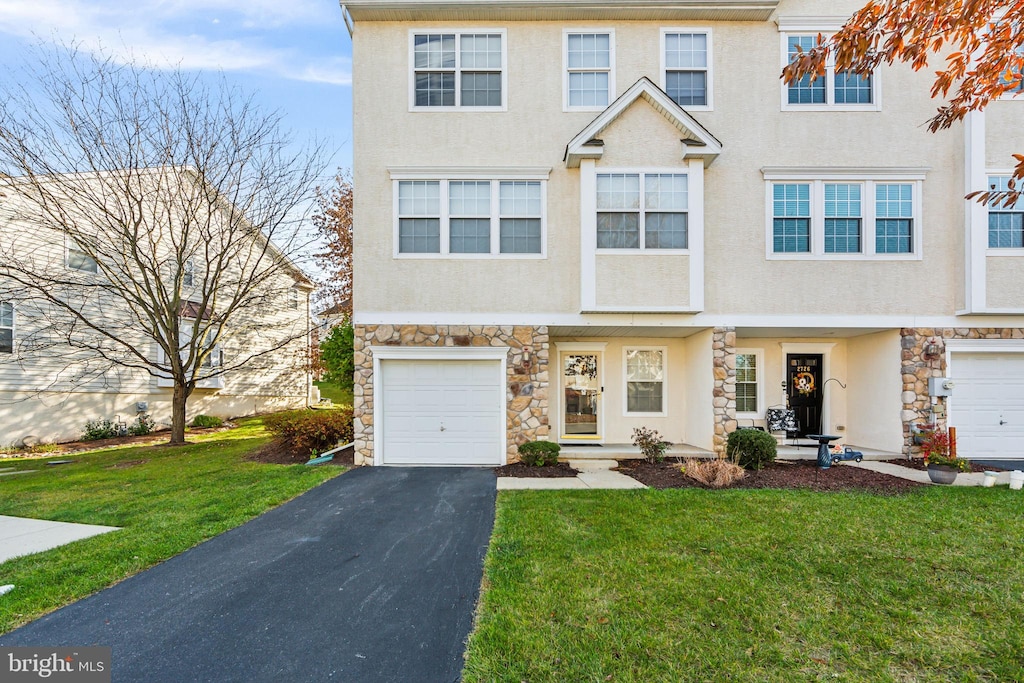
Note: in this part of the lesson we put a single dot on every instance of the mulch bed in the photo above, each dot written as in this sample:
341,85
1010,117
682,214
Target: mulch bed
801,474
154,438
918,464
518,469
277,452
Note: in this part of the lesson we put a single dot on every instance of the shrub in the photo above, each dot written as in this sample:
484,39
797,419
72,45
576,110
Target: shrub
651,445
309,430
336,355
714,473
143,425
100,429
751,449
203,421
539,453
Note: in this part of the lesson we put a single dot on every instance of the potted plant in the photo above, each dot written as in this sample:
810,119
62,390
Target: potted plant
942,465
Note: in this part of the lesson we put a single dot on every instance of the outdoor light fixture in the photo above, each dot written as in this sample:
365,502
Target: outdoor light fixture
932,347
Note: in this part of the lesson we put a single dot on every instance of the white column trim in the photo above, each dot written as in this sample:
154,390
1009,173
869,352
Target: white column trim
588,235
695,212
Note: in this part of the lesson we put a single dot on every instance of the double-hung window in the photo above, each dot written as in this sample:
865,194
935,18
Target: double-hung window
1005,223
686,66
836,90
470,217
642,211
458,69
843,218
589,69
188,273
748,368
6,327
645,381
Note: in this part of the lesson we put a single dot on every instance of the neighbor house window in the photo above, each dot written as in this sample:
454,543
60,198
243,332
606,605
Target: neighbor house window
6,327
747,368
844,219
471,217
835,90
645,380
642,211
79,260
686,59
1005,223
458,69
293,299
188,273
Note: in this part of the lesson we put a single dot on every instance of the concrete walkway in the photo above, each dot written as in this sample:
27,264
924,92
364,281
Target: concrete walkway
371,577
593,474
22,536
962,479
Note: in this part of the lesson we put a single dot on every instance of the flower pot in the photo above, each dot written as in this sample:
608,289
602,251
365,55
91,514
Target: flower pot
942,474
990,479
1016,480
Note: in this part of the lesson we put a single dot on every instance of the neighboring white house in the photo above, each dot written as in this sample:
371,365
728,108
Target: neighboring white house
49,390
582,217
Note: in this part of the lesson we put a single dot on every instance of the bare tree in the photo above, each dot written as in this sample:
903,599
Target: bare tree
146,223
333,220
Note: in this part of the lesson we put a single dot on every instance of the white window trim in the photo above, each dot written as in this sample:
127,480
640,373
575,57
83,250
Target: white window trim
680,170
14,324
758,414
413,32
188,273
664,382
536,175
710,106
867,178
216,358
997,251
565,67
808,26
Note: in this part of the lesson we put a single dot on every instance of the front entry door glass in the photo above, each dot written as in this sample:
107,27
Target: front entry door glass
805,391
582,392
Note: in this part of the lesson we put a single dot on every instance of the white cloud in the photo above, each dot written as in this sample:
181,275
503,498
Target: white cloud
151,30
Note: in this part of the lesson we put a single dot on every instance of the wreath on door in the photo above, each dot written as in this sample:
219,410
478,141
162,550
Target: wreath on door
803,383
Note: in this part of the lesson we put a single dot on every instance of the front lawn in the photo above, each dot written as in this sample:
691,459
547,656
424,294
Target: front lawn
167,499
769,585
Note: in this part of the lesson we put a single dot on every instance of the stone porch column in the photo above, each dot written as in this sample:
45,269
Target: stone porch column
723,345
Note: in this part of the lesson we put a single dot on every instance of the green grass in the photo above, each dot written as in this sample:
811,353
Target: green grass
179,497
337,394
752,586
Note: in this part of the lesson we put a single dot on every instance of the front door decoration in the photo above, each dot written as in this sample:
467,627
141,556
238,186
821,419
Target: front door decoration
803,383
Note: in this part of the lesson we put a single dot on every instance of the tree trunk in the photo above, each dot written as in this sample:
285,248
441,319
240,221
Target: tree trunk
178,401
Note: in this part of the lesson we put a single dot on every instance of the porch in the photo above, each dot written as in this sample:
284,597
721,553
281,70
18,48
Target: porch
801,449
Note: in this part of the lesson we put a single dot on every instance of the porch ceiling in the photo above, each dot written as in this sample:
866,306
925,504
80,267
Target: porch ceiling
562,331
807,332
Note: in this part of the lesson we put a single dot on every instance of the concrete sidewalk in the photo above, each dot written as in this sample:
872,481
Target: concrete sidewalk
593,474
22,536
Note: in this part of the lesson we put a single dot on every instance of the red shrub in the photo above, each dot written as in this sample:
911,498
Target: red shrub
309,430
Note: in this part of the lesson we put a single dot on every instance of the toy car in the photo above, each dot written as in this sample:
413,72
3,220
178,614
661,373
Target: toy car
846,454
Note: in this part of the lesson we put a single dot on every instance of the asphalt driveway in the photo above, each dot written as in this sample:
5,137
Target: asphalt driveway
372,576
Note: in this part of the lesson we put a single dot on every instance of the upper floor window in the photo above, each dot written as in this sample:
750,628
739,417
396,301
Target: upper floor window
844,218
686,66
589,69
464,69
293,298
642,211
470,217
1005,223
835,90
6,327
188,273
79,260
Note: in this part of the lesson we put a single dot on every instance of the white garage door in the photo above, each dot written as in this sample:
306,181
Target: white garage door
443,412
987,405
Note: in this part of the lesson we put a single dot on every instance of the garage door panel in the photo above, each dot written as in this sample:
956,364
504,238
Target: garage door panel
987,405
442,412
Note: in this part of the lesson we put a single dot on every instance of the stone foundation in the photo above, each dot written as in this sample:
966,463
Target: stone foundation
917,367
723,345
526,388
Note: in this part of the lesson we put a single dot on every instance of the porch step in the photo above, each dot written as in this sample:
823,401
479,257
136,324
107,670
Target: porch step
593,465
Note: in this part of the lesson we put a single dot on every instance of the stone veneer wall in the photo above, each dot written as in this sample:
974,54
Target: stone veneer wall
526,389
917,368
723,346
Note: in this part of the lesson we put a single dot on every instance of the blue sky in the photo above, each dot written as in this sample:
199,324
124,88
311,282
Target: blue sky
295,55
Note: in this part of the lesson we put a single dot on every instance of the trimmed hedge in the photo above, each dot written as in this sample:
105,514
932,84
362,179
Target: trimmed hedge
539,453
311,430
751,449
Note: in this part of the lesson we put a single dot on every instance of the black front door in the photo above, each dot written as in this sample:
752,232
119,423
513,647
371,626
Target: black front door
804,391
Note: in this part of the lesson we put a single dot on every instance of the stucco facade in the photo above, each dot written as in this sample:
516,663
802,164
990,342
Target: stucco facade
730,290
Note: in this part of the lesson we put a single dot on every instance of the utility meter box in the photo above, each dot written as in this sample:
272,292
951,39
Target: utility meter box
940,386
141,407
